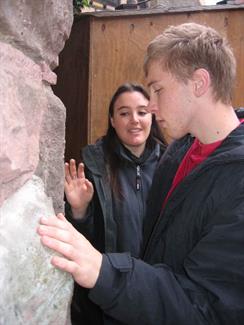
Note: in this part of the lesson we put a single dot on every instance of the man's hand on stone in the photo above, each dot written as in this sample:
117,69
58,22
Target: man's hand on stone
78,256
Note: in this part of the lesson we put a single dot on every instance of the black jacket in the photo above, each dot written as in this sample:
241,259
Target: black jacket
109,217
112,224
192,268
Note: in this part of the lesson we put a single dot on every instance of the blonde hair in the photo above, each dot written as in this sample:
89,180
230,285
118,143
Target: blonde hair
184,48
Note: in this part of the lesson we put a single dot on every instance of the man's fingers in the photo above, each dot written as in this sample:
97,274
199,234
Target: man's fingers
56,233
60,247
61,217
55,221
83,274
64,264
75,254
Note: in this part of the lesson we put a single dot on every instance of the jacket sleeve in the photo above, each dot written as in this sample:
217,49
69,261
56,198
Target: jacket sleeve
209,291
84,226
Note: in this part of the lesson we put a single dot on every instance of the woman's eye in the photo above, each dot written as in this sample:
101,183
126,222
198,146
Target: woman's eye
142,113
123,114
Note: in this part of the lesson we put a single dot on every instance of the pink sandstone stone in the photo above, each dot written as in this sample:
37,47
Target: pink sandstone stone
22,106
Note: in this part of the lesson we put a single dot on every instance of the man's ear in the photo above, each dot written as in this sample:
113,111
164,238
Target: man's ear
201,82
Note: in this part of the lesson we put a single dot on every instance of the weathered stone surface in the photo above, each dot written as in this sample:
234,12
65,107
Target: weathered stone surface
38,28
22,105
51,158
32,291
32,126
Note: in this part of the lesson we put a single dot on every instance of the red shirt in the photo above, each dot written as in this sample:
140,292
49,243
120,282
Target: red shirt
196,154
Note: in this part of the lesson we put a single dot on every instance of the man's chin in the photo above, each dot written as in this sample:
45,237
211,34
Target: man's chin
162,126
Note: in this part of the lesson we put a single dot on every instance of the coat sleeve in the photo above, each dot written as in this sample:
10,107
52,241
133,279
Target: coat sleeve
209,291
84,226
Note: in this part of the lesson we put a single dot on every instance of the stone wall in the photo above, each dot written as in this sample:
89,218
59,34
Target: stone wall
32,128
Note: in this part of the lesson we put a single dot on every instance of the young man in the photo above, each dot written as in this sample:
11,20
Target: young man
192,267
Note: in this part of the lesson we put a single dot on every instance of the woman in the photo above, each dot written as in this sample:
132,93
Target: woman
107,201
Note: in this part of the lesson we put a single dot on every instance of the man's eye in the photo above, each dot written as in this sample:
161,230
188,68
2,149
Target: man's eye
157,91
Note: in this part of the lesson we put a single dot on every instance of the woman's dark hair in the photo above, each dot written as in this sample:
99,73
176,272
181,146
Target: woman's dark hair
111,139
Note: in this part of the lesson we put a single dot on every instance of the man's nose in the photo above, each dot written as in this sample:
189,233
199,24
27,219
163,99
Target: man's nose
152,107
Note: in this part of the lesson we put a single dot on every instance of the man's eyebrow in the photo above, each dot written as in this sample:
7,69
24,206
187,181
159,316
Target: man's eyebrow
151,83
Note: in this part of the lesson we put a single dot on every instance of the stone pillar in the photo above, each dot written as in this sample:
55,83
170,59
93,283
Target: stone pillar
32,129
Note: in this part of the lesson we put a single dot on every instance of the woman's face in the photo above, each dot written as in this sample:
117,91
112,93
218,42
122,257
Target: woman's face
131,121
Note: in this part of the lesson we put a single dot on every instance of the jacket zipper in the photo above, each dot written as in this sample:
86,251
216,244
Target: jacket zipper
138,178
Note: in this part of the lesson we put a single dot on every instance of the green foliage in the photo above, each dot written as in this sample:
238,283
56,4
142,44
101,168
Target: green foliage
77,4
86,3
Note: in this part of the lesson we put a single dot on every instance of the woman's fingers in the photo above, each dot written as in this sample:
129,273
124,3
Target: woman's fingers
72,173
67,173
89,186
72,168
81,173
